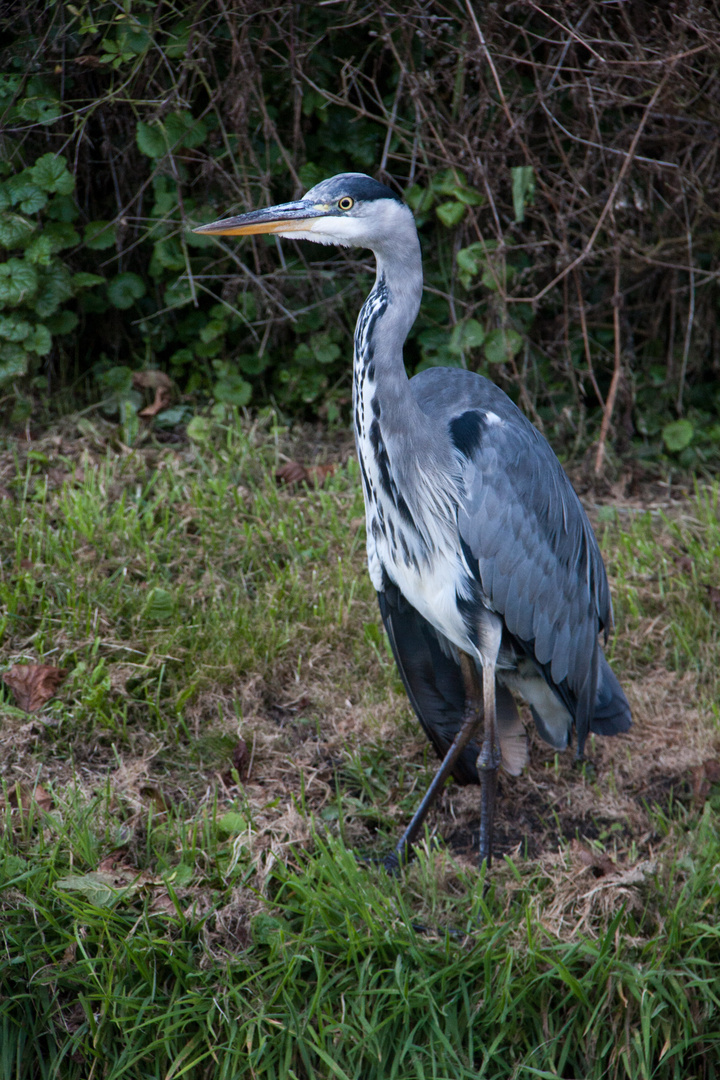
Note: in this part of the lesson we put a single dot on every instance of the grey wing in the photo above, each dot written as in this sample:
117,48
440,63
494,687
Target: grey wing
526,538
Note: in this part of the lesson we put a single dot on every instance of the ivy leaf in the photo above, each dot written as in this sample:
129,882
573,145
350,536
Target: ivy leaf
183,129
178,293
500,345
125,289
33,201
84,280
62,323
150,139
63,208
50,172
233,390
40,341
18,282
13,328
467,335
13,361
39,110
99,235
39,251
61,235
450,213
55,286
678,435
15,231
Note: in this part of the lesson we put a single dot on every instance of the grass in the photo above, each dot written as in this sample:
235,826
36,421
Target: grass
190,826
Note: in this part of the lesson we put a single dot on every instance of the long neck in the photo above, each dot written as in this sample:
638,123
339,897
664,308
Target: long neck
384,323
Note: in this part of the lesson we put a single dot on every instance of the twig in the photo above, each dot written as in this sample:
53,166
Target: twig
608,204
612,393
691,307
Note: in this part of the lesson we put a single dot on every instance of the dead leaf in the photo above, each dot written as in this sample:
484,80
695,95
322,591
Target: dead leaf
160,383
714,596
293,473
162,904
33,684
684,564
597,861
22,797
240,757
154,795
703,777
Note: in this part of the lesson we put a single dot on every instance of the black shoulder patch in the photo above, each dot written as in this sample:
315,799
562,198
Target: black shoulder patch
466,432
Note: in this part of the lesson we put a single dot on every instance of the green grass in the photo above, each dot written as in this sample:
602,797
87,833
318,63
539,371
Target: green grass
162,916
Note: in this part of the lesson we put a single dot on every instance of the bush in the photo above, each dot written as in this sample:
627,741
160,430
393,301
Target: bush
558,163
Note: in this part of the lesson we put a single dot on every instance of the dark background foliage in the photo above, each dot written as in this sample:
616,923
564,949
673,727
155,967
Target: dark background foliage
561,158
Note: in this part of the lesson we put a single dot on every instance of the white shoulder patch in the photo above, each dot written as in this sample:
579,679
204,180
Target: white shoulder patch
492,418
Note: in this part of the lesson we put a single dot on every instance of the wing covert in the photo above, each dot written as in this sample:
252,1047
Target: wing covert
529,544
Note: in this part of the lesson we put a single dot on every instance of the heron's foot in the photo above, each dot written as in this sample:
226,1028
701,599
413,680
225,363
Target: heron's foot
586,768
391,864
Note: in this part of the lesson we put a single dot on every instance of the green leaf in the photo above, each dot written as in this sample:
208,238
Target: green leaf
39,251
467,335
13,362
178,293
213,330
232,390
40,341
150,139
54,287
84,280
39,109
501,345
678,435
13,328
523,189
62,208
199,429
33,201
450,213
325,350
15,231
96,887
100,235
50,172
168,254
160,606
419,199
125,289
61,235
178,39
117,380
183,129
232,823
18,282
62,323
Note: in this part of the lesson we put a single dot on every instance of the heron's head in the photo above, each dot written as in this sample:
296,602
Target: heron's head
350,209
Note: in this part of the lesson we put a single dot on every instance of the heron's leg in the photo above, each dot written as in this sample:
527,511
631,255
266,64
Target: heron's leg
472,718
488,762
489,758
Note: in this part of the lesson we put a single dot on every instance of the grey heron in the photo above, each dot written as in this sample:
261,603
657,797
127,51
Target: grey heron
487,571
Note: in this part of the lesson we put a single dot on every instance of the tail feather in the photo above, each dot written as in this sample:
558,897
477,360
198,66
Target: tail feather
612,710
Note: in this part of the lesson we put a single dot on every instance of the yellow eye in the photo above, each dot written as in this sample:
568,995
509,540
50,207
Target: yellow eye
345,203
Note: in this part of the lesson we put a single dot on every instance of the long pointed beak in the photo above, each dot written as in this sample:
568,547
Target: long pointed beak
288,217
